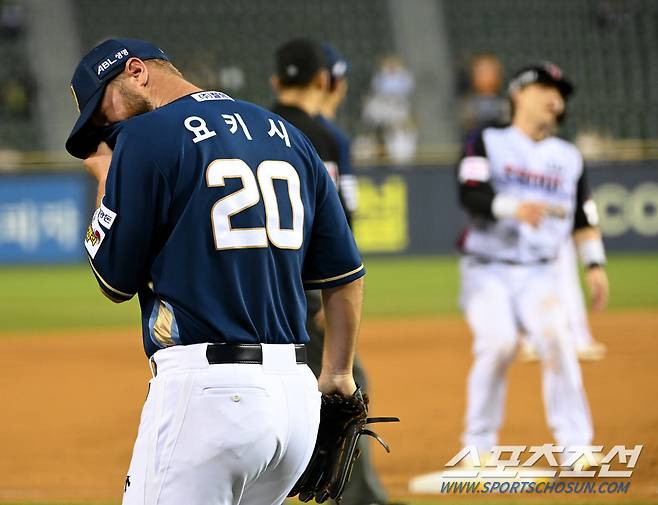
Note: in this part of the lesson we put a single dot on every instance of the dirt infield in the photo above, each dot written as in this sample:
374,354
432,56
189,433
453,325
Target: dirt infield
71,402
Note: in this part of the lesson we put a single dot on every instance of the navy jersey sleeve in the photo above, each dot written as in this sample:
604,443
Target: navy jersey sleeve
332,257
476,193
586,214
124,231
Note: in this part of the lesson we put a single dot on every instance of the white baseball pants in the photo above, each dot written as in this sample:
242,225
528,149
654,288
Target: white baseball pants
228,434
498,300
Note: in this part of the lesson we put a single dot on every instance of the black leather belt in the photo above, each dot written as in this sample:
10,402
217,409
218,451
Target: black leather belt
483,260
219,354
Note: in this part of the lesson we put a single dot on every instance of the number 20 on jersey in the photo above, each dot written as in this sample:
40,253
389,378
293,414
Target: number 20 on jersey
227,237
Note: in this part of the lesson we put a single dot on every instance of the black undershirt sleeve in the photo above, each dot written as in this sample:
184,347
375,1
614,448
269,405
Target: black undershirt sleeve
477,199
581,219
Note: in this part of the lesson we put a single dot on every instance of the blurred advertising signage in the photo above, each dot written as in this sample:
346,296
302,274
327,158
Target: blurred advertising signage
626,195
42,218
628,209
380,223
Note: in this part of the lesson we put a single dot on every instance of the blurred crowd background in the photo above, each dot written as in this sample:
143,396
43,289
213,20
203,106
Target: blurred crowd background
421,71
421,74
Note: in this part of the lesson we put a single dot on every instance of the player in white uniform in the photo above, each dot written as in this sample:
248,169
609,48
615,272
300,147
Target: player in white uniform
525,192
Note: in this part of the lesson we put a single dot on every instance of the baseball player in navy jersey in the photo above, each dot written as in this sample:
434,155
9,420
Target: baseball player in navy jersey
217,214
525,191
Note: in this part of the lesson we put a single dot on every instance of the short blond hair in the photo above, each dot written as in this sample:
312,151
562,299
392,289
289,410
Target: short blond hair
165,65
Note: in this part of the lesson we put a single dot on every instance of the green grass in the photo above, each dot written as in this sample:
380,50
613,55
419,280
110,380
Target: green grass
633,281
67,297
419,286
58,297
424,286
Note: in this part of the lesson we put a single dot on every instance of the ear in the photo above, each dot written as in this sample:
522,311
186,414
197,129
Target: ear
137,69
275,82
341,86
322,80
514,96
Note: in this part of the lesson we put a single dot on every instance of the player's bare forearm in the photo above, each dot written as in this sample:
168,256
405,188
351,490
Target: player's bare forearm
342,308
588,233
98,165
100,192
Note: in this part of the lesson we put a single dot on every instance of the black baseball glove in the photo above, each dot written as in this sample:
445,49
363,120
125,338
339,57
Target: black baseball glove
343,420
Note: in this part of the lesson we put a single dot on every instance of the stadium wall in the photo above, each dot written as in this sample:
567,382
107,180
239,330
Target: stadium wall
403,210
415,210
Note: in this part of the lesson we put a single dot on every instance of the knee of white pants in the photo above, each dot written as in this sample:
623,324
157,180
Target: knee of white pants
499,351
490,315
551,335
494,331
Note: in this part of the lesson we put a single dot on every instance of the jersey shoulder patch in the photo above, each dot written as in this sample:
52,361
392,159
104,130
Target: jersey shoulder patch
106,217
94,236
102,220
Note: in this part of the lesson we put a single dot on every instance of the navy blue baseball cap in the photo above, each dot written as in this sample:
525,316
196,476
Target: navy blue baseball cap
335,62
96,69
542,73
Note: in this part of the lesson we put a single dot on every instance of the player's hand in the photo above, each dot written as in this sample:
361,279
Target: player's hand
98,163
342,383
531,213
597,283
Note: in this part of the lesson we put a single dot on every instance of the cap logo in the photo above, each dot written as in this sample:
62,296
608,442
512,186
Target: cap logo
75,98
292,70
527,77
339,68
110,62
554,70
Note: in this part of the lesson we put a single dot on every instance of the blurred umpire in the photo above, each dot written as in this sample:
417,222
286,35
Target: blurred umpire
347,182
310,84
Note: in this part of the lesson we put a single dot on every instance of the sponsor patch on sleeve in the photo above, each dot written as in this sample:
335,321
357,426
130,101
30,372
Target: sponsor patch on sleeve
94,236
474,168
105,216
